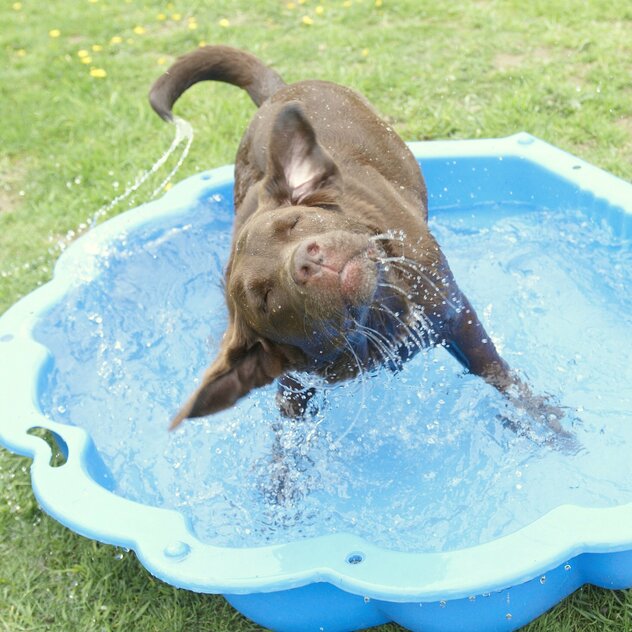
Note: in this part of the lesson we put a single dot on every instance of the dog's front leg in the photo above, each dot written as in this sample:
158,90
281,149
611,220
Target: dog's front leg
470,344
292,397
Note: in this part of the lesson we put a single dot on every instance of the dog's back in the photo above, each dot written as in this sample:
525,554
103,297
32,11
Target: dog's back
364,146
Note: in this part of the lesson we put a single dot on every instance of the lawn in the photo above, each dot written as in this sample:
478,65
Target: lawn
76,130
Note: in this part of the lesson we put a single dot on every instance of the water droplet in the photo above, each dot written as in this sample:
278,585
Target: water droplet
177,550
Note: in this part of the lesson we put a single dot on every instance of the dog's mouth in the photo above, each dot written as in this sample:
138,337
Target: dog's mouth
330,272
358,279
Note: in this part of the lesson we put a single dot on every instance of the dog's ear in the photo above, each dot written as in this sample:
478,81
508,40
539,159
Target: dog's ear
240,366
299,170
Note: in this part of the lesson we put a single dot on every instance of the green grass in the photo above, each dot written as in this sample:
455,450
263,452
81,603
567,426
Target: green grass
560,70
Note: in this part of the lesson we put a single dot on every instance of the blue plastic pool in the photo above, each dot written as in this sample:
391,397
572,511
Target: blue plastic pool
406,500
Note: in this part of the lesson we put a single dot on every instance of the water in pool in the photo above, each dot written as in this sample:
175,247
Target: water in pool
414,461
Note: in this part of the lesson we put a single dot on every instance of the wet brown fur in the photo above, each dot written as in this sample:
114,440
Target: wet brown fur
318,171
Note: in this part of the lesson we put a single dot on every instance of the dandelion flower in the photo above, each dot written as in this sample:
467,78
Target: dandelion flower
307,20
346,4
99,73
176,17
365,52
54,33
192,25
224,23
17,6
320,9
202,44
83,53
161,17
378,3
86,60
139,30
21,52
161,61
97,48
117,39
290,5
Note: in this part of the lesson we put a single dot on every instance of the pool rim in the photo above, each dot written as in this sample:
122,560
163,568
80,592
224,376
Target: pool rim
160,537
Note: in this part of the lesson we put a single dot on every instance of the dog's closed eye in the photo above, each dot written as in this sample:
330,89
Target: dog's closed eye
266,296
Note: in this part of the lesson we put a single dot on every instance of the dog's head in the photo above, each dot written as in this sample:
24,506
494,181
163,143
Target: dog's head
301,270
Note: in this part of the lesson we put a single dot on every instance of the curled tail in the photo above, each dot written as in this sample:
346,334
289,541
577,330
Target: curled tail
214,63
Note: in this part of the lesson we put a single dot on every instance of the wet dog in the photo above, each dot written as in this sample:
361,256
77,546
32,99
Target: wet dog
332,269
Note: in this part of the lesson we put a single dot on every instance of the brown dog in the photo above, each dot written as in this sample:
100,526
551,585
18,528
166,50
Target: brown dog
333,269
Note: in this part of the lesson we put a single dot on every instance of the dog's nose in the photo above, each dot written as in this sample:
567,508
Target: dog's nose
307,261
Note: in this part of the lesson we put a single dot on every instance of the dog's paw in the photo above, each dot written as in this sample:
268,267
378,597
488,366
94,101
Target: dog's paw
294,404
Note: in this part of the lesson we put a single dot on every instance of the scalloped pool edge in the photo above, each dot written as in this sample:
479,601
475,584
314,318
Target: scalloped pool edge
78,494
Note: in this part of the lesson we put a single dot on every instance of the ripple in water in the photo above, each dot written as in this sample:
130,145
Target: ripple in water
416,461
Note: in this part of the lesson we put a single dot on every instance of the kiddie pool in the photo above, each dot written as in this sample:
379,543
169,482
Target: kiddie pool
337,581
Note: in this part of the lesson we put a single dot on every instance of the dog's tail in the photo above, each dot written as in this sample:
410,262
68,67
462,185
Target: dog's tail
214,63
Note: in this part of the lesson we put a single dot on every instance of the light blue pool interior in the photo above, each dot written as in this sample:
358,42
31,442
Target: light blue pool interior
413,463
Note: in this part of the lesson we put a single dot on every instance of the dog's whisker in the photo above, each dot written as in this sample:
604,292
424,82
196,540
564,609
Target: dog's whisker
391,286
414,335
381,342
386,237
337,441
400,262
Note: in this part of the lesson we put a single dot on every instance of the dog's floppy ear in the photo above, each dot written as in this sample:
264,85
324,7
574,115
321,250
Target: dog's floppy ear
299,170
241,365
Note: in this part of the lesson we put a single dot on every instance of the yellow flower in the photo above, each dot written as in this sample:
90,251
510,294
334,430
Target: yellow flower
82,53
302,1
201,44
168,186
93,1
320,9
117,39
192,25
224,23
21,52
99,73
161,17
307,20
365,52
97,48
86,60
139,30
378,3
17,6
176,17
290,5
346,4
161,61
54,33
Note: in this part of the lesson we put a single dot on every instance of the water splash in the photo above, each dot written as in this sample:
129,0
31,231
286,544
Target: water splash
183,134
417,461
